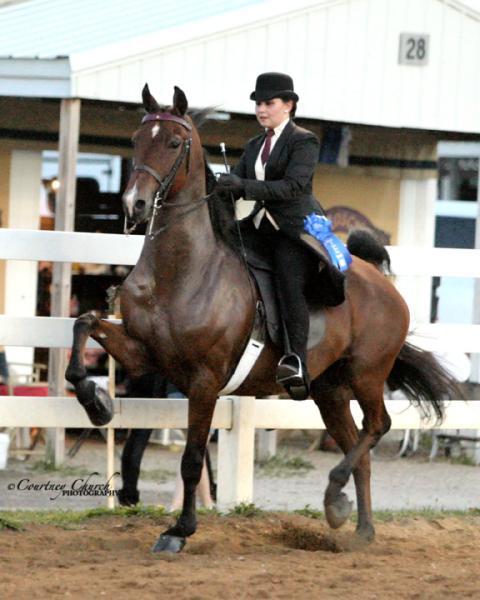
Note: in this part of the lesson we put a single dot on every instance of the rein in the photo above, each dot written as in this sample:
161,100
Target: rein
165,183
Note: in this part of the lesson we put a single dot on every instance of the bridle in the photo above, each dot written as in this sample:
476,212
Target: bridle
165,183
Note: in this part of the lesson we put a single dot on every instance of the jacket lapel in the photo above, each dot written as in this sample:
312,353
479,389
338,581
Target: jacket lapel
279,144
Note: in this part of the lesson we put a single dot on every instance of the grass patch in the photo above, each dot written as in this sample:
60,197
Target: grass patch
388,516
64,518
428,514
309,512
463,459
283,465
245,509
16,520
9,523
157,475
44,466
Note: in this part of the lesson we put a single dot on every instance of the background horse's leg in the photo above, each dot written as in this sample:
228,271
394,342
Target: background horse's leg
130,353
131,458
368,390
334,405
200,412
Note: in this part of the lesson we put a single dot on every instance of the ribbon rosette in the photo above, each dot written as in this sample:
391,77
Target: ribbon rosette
321,229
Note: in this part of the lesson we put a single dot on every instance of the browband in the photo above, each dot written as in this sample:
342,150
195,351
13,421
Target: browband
165,116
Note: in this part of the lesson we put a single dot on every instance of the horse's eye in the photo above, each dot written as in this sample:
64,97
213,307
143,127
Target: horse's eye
174,143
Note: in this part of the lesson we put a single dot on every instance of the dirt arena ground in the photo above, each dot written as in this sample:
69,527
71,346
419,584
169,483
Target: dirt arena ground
249,554
274,555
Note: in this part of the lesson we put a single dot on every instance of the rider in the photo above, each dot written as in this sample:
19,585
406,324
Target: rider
276,170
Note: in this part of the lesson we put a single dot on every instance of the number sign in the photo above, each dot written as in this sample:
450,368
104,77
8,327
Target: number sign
413,49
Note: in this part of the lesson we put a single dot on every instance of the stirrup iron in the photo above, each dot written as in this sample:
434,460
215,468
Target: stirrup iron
290,370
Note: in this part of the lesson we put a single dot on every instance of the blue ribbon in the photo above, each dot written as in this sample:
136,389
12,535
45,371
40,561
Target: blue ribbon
321,229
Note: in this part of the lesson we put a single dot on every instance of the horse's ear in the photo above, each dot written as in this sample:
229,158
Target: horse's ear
180,102
149,102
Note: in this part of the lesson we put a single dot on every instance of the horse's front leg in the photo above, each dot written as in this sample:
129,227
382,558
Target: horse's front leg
200,412
130,353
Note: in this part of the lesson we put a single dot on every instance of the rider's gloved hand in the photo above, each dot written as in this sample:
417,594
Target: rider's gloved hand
230,184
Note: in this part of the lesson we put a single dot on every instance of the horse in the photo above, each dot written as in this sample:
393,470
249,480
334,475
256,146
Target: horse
189,305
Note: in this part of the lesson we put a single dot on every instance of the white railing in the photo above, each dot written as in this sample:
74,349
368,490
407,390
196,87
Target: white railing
236,418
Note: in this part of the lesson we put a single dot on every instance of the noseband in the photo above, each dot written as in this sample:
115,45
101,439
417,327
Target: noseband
164,182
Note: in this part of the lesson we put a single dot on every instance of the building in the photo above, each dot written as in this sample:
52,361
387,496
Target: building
381,82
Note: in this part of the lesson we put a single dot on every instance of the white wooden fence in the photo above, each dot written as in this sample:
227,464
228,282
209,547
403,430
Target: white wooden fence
236,418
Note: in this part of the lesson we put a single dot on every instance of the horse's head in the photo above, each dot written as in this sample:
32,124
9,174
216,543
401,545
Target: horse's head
161,157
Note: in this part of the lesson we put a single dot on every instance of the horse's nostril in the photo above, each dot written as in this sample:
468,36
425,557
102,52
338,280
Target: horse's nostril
139,205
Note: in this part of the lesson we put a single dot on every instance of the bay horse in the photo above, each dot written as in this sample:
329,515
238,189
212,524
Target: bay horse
188,308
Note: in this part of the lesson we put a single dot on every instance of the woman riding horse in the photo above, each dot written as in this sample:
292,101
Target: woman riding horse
276,170
188,308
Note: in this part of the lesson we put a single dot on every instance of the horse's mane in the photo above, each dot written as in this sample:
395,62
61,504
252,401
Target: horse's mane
222,213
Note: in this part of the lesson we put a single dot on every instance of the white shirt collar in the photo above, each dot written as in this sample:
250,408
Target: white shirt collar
279,128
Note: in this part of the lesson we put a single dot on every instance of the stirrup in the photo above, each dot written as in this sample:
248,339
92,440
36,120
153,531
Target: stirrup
290,370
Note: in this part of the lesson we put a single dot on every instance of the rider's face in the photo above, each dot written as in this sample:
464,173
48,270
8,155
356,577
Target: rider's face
271,113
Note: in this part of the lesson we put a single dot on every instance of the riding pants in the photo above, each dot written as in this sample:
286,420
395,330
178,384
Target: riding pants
293,265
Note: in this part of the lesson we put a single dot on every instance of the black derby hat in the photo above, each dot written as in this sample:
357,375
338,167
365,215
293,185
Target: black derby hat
273,85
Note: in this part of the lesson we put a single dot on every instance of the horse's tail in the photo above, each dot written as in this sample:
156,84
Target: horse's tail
424,381
365,245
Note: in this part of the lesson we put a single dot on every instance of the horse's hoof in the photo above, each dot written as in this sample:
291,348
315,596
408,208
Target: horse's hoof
338,511
101,410
366,533
128,497
169,543
95,401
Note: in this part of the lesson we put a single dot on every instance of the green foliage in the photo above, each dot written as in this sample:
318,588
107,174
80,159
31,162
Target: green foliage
245,509
429,514
44,466
69,517
283,465
9,523
309,512
157,475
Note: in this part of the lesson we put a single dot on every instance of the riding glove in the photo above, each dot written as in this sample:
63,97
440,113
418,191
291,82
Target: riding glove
230,184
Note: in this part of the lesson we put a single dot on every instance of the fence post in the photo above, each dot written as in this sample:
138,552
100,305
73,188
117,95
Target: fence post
266,444
235,455
61,276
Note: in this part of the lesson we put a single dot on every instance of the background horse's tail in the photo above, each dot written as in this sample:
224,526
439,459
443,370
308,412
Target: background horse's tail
423,380
364,244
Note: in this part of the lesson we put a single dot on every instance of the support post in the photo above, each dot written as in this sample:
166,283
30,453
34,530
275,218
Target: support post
236,454
266,444
475,358
61,276
111,434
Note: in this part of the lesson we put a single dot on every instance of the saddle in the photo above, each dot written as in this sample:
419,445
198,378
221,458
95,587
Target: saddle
319,294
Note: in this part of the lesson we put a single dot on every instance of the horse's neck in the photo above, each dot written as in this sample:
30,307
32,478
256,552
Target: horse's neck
187,245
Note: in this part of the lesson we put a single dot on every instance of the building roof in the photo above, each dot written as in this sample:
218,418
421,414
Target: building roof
65,27
342,54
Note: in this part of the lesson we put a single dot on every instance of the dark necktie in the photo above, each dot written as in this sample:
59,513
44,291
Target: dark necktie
266,147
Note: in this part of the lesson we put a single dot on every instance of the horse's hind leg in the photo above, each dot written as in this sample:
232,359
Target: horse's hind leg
369,393
112,336
334,405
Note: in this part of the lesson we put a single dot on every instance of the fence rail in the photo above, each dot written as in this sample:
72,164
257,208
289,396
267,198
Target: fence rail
114,249
236,418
